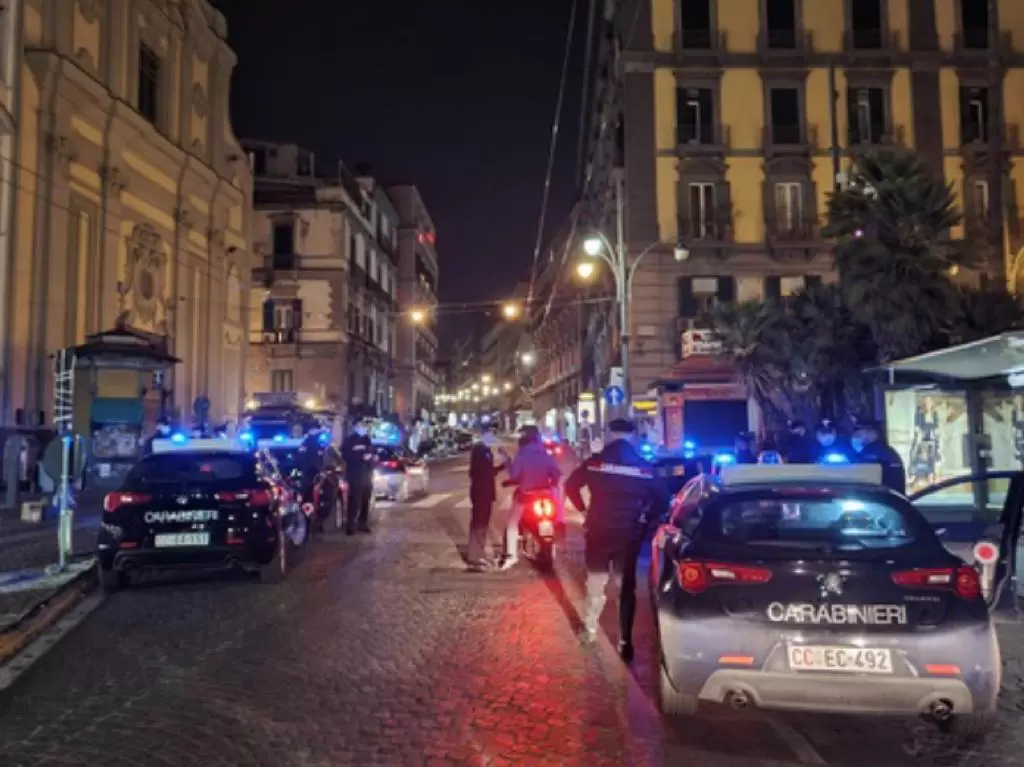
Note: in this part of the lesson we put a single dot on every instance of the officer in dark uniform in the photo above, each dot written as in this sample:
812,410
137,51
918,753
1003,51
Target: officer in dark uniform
358,452
626,498
828,444
797,447
870,447
746,450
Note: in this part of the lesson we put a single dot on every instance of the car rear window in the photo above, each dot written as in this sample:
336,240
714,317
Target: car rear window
387,454
191,468
815,522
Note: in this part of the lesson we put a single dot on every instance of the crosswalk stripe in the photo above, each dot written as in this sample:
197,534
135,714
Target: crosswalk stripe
431,501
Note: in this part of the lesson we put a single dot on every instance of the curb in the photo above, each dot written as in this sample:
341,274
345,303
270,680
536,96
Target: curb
41,616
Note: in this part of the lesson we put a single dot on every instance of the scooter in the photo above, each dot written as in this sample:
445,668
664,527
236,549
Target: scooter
537,528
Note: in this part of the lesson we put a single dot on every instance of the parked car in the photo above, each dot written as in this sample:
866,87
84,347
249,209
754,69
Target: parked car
399,475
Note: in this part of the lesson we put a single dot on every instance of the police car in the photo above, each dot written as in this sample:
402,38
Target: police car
314,472
199,503
814,588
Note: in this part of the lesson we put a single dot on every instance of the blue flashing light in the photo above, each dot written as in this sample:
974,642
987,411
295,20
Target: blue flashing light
246,436
835,458
179,438
690,445
279,438
325,438
689,454
770,457
725,459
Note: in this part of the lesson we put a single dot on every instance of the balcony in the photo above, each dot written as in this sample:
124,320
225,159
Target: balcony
788,138
778,45
871,44
780,231
283,266
713,228
283,342
718,142
971,46
975,140
700,44
701,342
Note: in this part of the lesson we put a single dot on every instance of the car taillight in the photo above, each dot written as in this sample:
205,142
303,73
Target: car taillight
390,464
963,581
557,450
544,508
695,577
114,501
255,497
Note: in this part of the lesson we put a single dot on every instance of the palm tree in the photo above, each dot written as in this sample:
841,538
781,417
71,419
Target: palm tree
979,313
891,223
754,339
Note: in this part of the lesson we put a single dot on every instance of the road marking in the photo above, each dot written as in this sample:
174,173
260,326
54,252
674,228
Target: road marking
791,736
431,501
465,503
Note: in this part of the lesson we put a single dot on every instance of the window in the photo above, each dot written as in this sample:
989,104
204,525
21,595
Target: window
979,199
184,469
304,164
974,24
784,108
780,22
360,251
788,286
973,115
698,295
371,324
695,18
789,205
703,222
866,23
695,116
352,248
284,245
373,266
149,83
866,111
800,522
281,380
258,162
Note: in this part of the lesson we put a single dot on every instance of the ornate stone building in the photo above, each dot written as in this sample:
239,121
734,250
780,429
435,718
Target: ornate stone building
132,195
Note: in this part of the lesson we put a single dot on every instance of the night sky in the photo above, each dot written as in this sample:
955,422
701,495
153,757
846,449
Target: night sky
456,97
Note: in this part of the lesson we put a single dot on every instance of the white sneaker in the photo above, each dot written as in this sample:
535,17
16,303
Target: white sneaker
508,563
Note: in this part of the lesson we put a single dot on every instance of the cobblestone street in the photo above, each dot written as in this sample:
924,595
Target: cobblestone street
381,651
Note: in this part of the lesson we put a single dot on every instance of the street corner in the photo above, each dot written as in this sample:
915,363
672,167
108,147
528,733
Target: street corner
32,603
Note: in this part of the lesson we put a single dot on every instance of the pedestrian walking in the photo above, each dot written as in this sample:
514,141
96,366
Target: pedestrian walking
482,495
357,450
626,497
870,447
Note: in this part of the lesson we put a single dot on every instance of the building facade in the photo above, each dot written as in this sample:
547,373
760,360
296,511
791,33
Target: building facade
131,195
716,117
418,271
324,282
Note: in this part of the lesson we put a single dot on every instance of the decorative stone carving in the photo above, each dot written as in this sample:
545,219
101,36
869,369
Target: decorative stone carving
116,178
91,10
199,102
144,278
63,148
85,60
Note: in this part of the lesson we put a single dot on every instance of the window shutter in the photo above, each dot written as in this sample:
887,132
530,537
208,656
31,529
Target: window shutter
726,289
687,302
773,288
722,214
297,311
268,316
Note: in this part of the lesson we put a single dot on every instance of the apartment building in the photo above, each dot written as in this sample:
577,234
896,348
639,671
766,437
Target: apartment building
324,282
717,118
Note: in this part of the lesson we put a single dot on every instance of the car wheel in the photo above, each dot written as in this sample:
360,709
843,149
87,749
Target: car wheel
112,580
971,727
673,702
276,569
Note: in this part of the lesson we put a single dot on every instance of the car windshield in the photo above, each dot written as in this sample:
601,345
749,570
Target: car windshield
190,468
829,523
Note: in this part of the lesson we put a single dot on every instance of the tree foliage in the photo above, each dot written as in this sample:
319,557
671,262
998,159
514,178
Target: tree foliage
896,296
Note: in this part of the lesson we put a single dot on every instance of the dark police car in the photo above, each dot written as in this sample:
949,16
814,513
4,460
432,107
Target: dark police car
199,503
814,588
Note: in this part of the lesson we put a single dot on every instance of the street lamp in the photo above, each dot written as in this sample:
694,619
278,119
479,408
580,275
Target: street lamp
598,246
511,311
417,317
527,358
508,386
485,378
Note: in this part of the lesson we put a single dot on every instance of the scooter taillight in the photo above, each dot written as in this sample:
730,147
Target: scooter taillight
544,508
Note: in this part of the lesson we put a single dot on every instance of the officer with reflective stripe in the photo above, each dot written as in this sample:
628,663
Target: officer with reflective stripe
626,498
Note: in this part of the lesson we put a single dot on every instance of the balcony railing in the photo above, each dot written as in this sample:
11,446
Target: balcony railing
714,226
716,140
780,42
292,336
783,230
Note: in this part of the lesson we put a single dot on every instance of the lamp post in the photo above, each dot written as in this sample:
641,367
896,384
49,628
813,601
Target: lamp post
417,317
623,272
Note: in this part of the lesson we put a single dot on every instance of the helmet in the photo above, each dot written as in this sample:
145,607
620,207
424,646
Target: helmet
529,434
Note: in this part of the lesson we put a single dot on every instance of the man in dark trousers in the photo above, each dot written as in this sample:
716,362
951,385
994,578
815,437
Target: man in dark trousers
626,498
869,447
358,452
482,495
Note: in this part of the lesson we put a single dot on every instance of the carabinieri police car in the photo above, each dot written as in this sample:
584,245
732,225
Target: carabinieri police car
200,503
814,588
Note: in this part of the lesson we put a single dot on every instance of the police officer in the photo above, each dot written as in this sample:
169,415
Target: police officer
746,450
869,447
357,450
827,441
798,448
626,497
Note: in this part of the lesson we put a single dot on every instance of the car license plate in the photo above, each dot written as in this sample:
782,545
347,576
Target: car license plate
856,660
169,540
546,529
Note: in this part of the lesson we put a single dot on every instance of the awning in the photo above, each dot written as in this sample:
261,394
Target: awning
994,358
697,369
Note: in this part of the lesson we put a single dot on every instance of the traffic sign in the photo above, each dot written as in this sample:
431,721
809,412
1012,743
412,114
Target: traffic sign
986,553
614,395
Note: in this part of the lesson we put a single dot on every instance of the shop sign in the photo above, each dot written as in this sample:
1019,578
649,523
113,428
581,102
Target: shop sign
701,342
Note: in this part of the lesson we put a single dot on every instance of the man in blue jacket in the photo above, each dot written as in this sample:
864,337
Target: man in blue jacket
626,498
531,470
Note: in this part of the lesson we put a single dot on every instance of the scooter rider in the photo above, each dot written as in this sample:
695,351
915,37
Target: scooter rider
626,497
531,469
357,450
